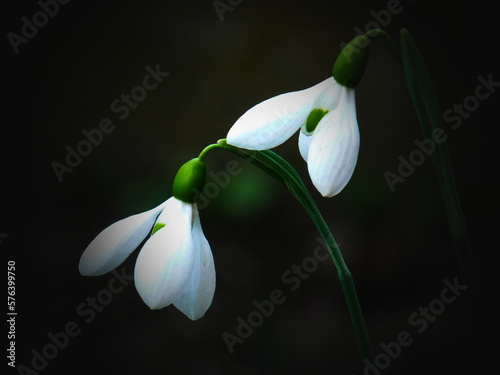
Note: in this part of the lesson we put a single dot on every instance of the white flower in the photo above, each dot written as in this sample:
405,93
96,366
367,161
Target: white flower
175,264
329,136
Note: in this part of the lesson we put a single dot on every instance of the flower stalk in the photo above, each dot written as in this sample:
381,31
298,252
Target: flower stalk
280,169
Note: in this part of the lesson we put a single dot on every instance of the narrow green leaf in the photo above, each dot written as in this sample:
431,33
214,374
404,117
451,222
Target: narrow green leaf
426,104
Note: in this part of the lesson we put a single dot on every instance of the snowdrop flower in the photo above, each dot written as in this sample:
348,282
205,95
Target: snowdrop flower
326,116
175,265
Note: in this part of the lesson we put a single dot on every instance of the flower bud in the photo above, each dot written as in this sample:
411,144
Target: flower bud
351,62
190,177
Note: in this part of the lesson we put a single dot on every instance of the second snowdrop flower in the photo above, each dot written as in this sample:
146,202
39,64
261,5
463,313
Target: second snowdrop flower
324,113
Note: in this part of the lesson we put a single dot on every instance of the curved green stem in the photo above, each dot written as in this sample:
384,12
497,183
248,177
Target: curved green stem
207,149
286,174
376,32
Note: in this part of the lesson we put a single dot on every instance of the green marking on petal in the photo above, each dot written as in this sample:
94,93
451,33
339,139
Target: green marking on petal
313,119
157,227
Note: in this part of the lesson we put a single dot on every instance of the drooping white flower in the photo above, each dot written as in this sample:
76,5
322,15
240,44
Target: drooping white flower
175,264
329,134
326,115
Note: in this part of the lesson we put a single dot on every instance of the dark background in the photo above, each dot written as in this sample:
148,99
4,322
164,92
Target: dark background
397,245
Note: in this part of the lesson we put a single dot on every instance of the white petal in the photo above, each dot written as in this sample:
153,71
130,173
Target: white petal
304,144
173,210
334,147
196,297
329,98
115,243
273,121
165,262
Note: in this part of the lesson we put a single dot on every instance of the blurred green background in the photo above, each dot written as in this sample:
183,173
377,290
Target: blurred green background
397,245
